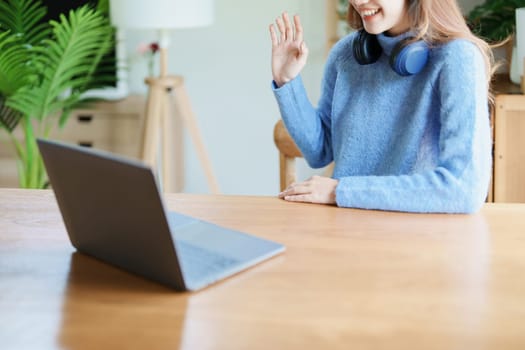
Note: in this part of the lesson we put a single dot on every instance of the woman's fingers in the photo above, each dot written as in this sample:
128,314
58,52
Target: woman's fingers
303,50
273,35
298,29
296,189
297,192
288,27
282,29
307,198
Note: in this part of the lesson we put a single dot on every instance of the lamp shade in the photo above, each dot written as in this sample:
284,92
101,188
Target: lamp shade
161,14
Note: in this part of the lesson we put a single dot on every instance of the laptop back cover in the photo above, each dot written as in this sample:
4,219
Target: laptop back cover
112,210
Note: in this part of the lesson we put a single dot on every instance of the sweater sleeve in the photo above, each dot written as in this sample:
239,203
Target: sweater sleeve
459,182
309,126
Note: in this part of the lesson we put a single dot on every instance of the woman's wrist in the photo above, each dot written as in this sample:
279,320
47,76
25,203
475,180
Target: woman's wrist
280,82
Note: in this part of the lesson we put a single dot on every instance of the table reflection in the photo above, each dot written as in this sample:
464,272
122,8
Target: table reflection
107,307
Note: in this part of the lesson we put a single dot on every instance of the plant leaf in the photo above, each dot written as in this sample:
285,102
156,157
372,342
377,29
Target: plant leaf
24,17
494,20
14,68
66,62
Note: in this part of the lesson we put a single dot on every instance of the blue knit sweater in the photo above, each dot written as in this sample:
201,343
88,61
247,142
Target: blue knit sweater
420,143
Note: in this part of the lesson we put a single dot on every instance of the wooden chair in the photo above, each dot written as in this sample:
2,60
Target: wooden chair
288,151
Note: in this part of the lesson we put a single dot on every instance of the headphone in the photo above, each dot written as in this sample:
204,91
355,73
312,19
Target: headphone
406,58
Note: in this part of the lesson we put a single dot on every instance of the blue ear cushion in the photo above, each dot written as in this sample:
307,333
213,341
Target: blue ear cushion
408,59
366,48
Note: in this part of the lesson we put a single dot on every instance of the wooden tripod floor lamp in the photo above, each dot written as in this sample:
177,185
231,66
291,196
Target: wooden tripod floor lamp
168,106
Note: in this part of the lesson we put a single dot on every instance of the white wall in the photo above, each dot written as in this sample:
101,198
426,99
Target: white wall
227,72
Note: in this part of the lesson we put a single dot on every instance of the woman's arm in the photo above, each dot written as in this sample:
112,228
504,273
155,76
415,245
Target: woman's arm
310,127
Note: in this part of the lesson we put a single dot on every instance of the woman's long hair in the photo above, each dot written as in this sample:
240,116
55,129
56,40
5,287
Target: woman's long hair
437,22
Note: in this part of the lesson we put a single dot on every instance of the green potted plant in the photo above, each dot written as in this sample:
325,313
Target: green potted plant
44,69
495,20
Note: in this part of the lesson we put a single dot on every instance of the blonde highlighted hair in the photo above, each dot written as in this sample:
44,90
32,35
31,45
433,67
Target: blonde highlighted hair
437,22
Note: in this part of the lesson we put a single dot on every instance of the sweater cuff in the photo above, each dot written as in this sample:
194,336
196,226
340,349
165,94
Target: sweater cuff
292,84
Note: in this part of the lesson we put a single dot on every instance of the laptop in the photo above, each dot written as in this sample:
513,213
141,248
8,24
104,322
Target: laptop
113,211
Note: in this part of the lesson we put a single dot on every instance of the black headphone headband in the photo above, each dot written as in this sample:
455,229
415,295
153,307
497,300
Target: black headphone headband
407,57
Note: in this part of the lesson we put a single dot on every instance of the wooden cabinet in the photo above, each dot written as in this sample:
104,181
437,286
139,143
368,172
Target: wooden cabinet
114,126
508,126
509,144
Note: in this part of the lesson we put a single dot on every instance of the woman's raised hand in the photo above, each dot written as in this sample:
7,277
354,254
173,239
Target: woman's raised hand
289,52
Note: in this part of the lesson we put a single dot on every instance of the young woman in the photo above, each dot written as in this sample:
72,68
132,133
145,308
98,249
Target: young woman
403,110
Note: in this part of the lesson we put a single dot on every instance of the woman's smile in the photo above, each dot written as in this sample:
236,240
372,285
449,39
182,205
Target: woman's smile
368,14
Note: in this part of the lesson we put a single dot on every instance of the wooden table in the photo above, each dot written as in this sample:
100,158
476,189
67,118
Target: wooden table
350,279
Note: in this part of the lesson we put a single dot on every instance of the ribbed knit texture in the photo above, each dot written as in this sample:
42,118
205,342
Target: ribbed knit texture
420,143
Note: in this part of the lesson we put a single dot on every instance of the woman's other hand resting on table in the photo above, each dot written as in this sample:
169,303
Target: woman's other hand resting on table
317,189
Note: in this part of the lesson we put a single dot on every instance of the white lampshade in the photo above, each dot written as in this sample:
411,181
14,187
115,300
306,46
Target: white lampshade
161,14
